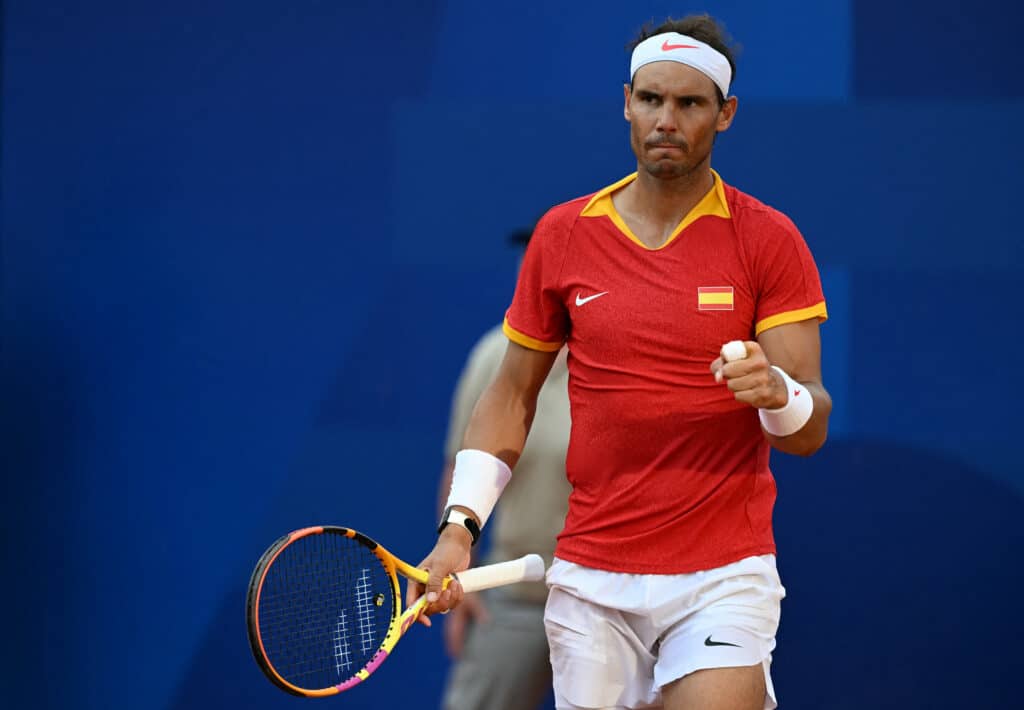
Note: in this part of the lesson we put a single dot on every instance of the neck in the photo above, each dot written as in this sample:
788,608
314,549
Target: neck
668,201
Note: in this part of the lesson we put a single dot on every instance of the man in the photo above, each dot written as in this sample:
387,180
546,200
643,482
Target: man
664,591
497,637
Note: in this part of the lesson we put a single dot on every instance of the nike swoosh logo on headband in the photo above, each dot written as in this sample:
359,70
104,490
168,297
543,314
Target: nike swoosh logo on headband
666,47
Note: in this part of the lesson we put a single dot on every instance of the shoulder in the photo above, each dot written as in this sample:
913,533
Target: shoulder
550,244
756,221
559,221
568,212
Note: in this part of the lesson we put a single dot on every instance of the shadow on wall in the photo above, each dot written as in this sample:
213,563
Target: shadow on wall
900,568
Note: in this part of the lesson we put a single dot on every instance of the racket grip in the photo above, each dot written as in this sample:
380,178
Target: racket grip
528,568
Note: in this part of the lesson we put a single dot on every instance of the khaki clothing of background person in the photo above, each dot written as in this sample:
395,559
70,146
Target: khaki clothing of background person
498,640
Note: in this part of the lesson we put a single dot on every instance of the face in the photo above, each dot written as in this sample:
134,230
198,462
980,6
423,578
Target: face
674,115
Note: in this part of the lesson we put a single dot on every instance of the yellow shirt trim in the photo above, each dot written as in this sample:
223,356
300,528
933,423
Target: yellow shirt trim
712,204
526,341
816,311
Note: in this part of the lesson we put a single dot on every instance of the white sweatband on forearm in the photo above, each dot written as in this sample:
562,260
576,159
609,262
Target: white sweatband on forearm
477,481
791,417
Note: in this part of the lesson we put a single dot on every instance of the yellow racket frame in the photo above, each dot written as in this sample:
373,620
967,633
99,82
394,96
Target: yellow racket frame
400,623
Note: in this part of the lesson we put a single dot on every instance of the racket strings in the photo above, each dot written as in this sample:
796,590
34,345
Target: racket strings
326,604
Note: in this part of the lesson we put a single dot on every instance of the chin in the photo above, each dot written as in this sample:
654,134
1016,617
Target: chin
666,169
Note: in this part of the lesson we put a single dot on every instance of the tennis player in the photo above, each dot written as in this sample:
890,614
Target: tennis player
664,590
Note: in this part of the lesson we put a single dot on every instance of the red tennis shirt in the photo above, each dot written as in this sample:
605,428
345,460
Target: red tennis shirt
669,472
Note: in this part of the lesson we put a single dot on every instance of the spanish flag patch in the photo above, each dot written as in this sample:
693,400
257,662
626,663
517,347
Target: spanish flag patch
714,298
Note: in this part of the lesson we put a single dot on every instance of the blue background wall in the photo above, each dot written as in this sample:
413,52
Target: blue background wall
245,246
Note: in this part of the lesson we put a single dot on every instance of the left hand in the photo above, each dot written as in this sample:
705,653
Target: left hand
752,379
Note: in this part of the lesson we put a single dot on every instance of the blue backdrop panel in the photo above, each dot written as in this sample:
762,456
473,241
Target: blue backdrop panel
942,49
924,344
569,51
184,265
882,185
244,252
869,185
897,564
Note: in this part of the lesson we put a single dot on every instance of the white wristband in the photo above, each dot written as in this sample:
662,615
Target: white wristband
791,417
478,480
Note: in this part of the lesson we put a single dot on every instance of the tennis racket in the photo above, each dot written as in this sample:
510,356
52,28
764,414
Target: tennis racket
324,609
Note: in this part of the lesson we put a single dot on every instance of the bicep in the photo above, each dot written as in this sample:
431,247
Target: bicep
796,348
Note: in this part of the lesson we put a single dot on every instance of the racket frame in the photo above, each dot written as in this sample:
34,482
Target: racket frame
396,628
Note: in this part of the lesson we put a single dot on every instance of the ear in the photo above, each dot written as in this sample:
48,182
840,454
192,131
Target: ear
627,93
726,114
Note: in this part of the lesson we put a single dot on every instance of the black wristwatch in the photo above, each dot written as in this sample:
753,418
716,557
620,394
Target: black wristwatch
457,517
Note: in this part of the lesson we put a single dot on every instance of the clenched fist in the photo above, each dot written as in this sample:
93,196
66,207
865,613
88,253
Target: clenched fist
752,379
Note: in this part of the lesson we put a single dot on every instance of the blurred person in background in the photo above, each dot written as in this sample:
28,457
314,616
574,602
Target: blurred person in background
496,638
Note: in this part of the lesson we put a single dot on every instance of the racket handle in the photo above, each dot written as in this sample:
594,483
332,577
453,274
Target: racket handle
528,568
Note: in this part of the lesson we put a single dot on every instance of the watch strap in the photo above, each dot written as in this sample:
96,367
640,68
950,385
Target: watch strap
452,516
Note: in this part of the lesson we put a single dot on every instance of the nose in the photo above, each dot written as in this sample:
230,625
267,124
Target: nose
666,118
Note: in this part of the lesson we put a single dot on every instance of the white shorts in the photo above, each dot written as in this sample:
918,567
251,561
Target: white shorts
617,639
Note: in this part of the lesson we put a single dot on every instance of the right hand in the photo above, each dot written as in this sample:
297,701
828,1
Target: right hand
472,610
450,554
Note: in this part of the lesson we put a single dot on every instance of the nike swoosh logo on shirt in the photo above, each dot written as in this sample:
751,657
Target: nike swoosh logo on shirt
588,299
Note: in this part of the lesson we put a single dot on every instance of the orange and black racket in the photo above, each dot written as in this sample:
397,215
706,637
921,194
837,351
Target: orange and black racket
324,608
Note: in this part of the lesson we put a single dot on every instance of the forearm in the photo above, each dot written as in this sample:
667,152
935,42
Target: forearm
497,430
811,436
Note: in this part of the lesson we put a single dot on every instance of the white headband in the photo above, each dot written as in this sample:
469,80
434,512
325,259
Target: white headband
674,47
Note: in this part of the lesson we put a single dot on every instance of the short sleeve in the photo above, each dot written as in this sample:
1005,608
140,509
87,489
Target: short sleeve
537,318
788,283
